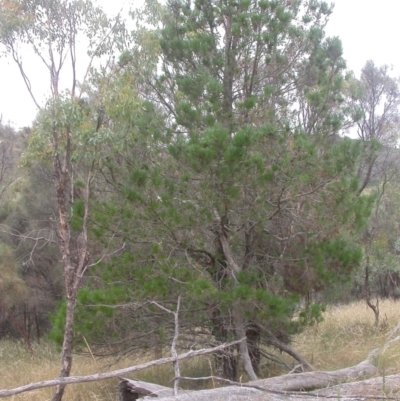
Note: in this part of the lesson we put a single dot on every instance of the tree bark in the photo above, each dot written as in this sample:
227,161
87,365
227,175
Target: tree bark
61,180
367,290
241,333
73,269
67,346
237,312
226,360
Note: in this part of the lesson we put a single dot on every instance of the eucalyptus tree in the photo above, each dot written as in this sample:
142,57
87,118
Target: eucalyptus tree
375,108
375,101
68,127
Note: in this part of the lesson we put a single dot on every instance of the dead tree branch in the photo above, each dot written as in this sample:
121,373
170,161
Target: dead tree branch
114,373
174,341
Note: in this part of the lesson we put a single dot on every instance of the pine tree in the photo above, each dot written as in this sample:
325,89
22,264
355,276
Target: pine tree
236,191
253,90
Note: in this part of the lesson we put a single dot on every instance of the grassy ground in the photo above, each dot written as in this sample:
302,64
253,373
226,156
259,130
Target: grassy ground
17,368
347,335
344,338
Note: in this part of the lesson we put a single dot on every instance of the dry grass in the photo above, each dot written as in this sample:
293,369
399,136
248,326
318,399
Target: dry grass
347,335
18,368
344,338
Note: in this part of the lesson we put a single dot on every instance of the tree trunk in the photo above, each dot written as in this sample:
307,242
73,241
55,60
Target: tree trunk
240,333
367,289
237,312
75,260
253,335
37,326
226,360
66,352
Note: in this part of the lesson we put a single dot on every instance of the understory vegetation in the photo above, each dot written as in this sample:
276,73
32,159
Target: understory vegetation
344,338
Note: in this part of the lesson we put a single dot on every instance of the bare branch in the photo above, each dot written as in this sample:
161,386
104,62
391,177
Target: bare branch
115,373
26,237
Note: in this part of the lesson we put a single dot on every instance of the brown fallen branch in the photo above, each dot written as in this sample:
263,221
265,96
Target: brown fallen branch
115,373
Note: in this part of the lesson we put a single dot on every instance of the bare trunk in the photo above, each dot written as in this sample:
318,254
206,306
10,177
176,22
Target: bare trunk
237,313
253,335
375,309
76,259
66,352
62,182
367,290
37,326
240,333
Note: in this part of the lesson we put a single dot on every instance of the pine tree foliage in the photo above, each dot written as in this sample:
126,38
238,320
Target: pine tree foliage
231,186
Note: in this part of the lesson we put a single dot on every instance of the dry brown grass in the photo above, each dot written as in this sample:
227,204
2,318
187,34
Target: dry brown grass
347,335
344,338
17,368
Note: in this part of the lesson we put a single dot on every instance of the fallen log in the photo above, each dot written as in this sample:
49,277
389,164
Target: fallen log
320,379
377,386
132,389
274,388
241,393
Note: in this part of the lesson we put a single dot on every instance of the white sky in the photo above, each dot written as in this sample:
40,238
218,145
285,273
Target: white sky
369,29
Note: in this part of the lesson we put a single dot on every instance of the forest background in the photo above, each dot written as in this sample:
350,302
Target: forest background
202,158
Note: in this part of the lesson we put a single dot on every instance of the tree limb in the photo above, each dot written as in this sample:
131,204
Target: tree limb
114,373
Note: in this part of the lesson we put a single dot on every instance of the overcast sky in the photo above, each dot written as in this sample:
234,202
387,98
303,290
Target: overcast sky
369,29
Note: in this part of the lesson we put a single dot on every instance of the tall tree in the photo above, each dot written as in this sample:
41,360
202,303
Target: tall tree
248,189
253,90
66,124
375,108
